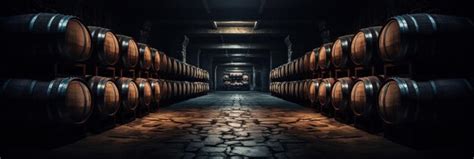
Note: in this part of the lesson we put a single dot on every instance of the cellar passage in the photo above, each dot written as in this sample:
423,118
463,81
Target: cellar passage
234,79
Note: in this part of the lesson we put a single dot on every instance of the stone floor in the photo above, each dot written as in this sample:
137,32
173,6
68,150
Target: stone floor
234,125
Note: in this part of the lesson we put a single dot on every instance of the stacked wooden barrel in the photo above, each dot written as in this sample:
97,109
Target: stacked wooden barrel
72,75
395,78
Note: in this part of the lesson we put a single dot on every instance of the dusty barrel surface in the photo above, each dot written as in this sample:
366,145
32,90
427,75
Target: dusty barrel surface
341,50
144,53
105,95
129,55
44,37
105,46
364,47
364,95
324,61
129,94
403,101
61,101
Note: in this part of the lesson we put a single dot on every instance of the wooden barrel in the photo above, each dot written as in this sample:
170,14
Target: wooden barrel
313,92
301,66
179,70
190,71
189,89
313,63
105,46
146,60
364,96
44,37
175,67
290,89
324,61
200,74
129,94
403,101
187,71
341,99
61,101
284,88
181,89
195,71
145,95
294,89
156,92
306,87
291,69
164,63
128,51
280,88
170,90
105,96
422,35
341,51
301,89
156,59
170,65
324,93
277,73
298,67
177,85
364,47
305,63
192,88
275,88
272,75
341,94
164,90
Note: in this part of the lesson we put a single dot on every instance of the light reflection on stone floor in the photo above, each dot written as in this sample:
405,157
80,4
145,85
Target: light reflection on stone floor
234,125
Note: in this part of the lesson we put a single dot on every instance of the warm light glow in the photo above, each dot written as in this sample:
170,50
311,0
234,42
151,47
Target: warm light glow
235,23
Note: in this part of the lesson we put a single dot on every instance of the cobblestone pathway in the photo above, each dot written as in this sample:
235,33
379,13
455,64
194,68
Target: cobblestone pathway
234,125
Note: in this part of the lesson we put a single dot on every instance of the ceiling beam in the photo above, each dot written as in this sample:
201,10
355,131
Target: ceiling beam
236,64
239,55
236,31
214,46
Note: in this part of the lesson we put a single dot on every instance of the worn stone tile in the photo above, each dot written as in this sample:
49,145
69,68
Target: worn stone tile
213,149
249,143
259,151
211,140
